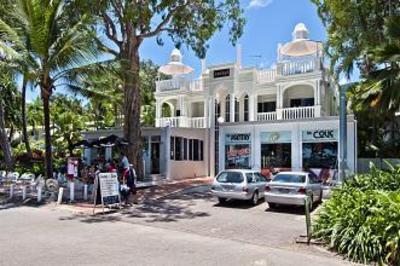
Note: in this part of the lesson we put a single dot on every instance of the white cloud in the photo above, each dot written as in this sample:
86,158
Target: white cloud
259,3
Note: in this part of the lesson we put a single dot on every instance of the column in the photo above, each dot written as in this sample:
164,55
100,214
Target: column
279,103
182,105
253,107
108,153
158,112
232,105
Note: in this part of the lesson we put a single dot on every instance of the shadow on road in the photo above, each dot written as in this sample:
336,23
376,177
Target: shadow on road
238,204
297,210
169,209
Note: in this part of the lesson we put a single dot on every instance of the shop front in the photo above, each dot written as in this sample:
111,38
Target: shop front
290,146
237,151
276,151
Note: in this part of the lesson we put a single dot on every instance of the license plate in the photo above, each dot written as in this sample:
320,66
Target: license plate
227,187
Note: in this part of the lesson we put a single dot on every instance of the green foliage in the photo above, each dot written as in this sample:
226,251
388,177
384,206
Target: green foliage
361,219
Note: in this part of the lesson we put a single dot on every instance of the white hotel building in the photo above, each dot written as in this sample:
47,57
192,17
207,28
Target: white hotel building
232,116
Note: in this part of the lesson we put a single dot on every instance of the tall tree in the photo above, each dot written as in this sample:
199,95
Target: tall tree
57,42
353,27
127,24
7,92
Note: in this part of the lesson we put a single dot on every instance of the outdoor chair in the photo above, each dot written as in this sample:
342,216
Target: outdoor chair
27,177
13,176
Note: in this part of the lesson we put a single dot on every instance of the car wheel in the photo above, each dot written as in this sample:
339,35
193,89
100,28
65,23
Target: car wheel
255,198
272,205
221,200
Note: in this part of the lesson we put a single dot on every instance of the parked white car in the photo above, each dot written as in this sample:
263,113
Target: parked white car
291,188
239,184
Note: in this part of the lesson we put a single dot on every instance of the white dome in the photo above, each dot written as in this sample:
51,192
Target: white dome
300,32
175,66
176,56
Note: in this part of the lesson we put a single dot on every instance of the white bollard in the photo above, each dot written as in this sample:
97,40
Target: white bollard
71,191
23,192
39,193
85,192
60,195
11,191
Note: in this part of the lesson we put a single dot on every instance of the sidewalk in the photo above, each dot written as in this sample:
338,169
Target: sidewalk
154,192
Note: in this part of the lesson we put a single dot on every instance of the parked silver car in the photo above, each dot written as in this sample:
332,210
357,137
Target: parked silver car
239,184
291,188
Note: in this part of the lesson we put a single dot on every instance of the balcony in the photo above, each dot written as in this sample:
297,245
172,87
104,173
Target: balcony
293,113
298,67
181,121
178,84
289,68
268,116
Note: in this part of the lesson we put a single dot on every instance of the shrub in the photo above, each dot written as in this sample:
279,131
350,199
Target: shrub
362,218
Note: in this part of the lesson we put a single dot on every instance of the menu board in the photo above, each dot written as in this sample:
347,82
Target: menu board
106,188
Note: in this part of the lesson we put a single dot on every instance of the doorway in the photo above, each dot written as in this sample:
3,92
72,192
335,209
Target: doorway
155,158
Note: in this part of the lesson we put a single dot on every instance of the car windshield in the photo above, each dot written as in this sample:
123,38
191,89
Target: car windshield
230,177
289,178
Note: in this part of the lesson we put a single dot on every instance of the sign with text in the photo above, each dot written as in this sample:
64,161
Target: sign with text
320,135
106,190
241,138
220,73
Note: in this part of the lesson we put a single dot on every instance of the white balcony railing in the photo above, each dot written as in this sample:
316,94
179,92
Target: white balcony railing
269,116
297,67
266,75
298,113
178,84
181,121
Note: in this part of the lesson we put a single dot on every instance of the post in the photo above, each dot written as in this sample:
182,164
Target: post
342,133
308,218
39,193
23,192
85,192
71,191
11,191
60,195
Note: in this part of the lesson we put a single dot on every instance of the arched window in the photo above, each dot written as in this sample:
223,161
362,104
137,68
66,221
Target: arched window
237,111
227,108
246,108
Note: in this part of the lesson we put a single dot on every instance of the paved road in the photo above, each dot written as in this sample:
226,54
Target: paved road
186,229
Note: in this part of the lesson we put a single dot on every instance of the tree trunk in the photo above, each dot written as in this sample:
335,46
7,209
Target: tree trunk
4,142
48,149
132,130
24,123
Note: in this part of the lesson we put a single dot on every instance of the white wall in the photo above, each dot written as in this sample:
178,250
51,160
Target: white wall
184,169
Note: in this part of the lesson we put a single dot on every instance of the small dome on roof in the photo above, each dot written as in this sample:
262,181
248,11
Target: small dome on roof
300,45
175,67
300,32
176,55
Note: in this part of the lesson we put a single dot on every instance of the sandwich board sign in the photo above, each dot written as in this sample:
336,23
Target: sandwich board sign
106,190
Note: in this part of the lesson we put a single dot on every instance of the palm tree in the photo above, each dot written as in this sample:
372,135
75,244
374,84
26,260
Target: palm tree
7,90
381,87
57,42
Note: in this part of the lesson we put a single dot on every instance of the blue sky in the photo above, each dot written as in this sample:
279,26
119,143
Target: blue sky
269,22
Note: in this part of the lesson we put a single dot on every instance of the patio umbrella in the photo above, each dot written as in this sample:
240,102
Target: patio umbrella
175,67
